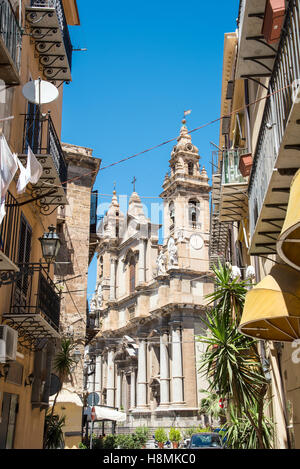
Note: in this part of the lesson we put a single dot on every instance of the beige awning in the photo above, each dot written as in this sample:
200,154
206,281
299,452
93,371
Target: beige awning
65,396
288,244
106,413
272,308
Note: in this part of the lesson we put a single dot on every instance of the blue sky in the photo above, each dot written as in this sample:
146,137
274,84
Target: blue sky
146,63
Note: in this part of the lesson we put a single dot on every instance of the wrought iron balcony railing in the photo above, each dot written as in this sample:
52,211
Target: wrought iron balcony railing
273,144
233,197
35,305
230,170
9,234
10,44
50,31
40,135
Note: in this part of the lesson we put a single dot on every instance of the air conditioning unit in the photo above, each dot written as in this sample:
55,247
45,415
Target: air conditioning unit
8,344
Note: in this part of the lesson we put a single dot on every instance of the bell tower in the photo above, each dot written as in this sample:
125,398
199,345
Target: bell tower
186,203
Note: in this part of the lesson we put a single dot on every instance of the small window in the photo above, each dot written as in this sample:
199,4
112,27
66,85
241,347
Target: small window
194,209
191,168
132,274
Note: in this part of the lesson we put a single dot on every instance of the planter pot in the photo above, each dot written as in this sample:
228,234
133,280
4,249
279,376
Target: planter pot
175,444
273,20
245,164
161,445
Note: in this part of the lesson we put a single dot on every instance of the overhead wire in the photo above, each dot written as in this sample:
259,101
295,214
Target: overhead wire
175,138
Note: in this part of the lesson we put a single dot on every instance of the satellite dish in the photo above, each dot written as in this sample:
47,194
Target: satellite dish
55,385
40,92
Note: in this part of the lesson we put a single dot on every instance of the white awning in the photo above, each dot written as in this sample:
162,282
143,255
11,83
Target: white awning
66,396
107,413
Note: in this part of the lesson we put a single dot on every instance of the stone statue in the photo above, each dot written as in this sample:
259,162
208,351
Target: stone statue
161,264
93,304
99,296
235,272
250,272
172,249
180,236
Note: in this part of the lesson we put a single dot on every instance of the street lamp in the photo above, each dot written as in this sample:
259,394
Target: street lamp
50,244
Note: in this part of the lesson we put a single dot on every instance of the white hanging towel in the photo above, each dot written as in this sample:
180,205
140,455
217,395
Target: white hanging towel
8,169
32,173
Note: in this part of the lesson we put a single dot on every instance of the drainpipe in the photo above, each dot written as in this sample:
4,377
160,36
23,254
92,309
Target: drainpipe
278,348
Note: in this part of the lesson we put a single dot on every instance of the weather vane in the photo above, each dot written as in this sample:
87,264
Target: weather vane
186,113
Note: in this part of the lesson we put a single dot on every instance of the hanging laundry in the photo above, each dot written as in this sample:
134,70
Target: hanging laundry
8,169
32,173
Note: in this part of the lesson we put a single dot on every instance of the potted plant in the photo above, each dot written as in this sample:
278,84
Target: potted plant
161,437
142,434
174,437
245,164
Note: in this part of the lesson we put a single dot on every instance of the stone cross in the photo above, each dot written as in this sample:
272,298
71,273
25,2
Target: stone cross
133,182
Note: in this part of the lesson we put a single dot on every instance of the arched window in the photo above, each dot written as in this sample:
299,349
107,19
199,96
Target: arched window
194,209
132,265
191,168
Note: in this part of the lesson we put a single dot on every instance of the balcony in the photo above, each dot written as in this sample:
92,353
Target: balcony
233,197
10,45
49,29
276,158
218,231
40,135
9,235
255,57
35,306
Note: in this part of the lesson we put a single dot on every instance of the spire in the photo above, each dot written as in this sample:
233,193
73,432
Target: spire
135,207
184,141
114,200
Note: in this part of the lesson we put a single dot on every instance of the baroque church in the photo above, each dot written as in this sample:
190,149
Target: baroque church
150,299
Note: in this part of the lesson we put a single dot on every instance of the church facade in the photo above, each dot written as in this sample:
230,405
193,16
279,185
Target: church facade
149,300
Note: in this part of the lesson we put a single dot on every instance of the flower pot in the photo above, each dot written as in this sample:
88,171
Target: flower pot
245,164
175,444
161,444
273,20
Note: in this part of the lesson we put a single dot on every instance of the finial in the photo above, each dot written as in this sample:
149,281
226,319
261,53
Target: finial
183,121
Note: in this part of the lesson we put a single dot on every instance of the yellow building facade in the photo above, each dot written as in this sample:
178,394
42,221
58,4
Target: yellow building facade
34,43
255,194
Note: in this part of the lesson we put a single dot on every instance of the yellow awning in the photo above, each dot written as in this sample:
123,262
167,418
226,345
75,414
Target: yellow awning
288,244
272,308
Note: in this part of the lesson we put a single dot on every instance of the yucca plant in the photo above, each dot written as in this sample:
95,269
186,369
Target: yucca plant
54,437
63,364
240,433
210,406
231,362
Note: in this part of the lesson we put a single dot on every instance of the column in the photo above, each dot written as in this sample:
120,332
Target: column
132,388
164,369
98,375
141,261
142,375
112,279
177,371
119,390
110,379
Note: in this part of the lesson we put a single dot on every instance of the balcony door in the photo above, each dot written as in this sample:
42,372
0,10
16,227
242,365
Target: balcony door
33,129
9,412
22,285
